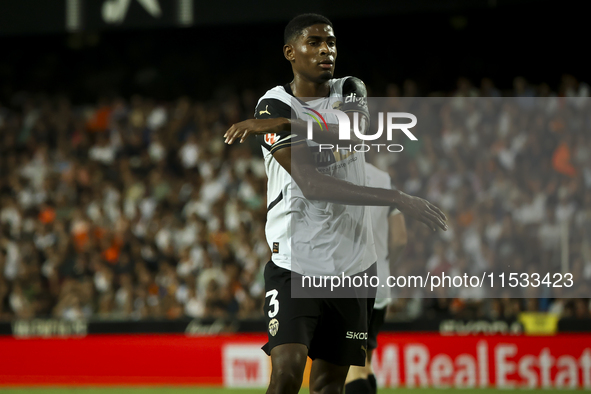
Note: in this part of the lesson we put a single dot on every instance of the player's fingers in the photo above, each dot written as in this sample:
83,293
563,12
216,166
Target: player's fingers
232,130
438,211
229,133
434,220
439,218
438,222
245,134
235,134
432,209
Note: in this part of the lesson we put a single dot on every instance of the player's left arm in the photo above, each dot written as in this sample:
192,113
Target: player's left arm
397,237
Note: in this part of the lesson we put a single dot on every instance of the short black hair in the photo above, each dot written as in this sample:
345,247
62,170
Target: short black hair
300,22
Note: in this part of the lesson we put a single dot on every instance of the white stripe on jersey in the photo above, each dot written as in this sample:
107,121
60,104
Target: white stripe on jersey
317,237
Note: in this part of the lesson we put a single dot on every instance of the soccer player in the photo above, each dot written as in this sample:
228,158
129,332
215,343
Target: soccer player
325,204
389,232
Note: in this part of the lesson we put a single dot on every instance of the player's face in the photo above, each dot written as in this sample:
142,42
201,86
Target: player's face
313,54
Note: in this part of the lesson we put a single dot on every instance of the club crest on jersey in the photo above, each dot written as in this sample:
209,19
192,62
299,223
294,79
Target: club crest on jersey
271,138
273,327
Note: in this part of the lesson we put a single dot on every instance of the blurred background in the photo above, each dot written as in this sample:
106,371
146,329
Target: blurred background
122,210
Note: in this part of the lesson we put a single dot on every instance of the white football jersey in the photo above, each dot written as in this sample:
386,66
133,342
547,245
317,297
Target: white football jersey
305,236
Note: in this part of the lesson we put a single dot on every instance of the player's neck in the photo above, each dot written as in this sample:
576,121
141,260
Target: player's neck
301,87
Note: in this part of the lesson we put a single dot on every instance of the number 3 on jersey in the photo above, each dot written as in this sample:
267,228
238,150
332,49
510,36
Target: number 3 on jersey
273,303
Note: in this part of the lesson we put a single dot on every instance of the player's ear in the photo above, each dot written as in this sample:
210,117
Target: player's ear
288,52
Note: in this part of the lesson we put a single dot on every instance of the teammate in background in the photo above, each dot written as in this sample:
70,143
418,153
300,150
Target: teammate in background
316,327
389,232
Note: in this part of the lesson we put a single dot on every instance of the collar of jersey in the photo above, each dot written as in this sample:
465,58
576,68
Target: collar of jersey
287,88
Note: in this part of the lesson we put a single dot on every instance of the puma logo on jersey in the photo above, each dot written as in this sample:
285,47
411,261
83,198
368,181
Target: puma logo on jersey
265,111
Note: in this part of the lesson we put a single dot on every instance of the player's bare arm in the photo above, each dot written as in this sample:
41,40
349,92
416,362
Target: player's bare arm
318,186
256,127
246,128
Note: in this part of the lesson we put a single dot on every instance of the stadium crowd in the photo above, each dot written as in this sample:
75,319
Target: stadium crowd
133,208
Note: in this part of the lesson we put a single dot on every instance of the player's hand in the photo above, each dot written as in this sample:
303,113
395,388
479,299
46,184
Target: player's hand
422,210
253,127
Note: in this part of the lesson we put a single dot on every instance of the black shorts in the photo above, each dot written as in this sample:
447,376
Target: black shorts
375,325
333,329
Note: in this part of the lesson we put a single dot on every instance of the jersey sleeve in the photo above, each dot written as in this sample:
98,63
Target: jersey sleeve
273,108
355,96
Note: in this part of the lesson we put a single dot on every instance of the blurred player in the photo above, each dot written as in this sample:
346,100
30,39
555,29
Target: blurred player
389,232
332,332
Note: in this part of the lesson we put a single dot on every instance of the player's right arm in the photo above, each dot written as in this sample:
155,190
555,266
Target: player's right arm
268,122
272,117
